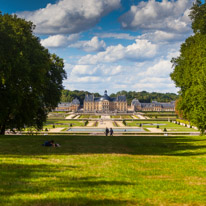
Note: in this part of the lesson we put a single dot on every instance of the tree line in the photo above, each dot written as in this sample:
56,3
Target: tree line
144,97
190,71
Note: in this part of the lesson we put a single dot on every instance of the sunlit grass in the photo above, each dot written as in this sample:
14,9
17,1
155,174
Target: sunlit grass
97,170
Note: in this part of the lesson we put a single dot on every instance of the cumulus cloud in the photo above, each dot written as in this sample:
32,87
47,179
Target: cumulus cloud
155,15
117,36
141,49
68,16
94,45
59,40
159,70
96,70
149,75
163,37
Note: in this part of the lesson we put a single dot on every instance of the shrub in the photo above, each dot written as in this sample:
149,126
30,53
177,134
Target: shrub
86,123
53,126
158,126
46,130
140,124
124,122
165,130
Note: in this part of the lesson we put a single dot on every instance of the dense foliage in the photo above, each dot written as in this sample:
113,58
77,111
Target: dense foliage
190,71
68,96
147,97
30,77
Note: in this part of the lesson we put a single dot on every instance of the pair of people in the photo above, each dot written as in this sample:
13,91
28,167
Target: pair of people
107,131
51,144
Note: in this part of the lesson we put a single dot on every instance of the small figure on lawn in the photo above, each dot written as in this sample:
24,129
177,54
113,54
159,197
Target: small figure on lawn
106,131
111,132
51,144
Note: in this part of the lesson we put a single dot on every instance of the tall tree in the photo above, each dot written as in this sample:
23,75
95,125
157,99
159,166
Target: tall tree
190,71
30,77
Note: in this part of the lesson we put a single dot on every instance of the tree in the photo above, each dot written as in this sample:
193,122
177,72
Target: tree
30,77
190,71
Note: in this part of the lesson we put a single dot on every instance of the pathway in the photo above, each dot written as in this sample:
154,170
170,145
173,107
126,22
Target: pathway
70,116
141,117
59,129
104,124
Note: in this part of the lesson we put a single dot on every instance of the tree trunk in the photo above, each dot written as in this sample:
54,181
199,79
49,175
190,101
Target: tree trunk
2,129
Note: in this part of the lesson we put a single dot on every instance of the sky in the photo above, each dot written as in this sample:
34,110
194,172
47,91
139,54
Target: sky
110,45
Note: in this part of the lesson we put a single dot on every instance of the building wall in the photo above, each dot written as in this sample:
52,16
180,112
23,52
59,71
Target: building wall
105,106
152,108
67,108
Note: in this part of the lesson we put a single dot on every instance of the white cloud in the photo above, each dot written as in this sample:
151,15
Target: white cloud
90,46
117,36
141,49
149,75
155,15
69,16
96,70
59,40
161,69
163,37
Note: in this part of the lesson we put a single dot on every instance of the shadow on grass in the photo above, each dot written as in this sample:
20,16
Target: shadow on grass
78,201
22,179
73,145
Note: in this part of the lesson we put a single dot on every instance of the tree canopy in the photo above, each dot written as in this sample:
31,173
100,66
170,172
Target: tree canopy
147,97
190,71
30,77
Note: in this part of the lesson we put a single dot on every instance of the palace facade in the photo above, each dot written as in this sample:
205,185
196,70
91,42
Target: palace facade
105,103
68,106
154,106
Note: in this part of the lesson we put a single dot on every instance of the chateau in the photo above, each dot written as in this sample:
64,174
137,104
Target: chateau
105,103
154,106
69,106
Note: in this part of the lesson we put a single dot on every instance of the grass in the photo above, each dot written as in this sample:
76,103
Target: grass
171,127
102,171
87,116
163,117
64,122
121,116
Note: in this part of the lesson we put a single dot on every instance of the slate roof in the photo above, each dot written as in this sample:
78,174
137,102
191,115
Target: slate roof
68,104
168,105
91,98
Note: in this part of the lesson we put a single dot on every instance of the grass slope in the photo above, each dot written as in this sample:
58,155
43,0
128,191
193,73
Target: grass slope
102,171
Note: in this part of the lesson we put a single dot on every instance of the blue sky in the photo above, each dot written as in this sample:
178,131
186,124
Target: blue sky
110,44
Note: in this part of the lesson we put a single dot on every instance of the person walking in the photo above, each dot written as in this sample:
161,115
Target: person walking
106,131
111,132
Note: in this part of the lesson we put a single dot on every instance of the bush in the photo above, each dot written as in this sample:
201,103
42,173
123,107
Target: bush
165,130
53,126
140,124
124,122
46,130
158,126
86,123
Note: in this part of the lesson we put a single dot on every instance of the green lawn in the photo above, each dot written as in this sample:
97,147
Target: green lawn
102,171
162,116
64,122
121,116
57,115
171,127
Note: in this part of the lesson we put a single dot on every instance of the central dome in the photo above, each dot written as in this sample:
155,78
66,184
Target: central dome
105,97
